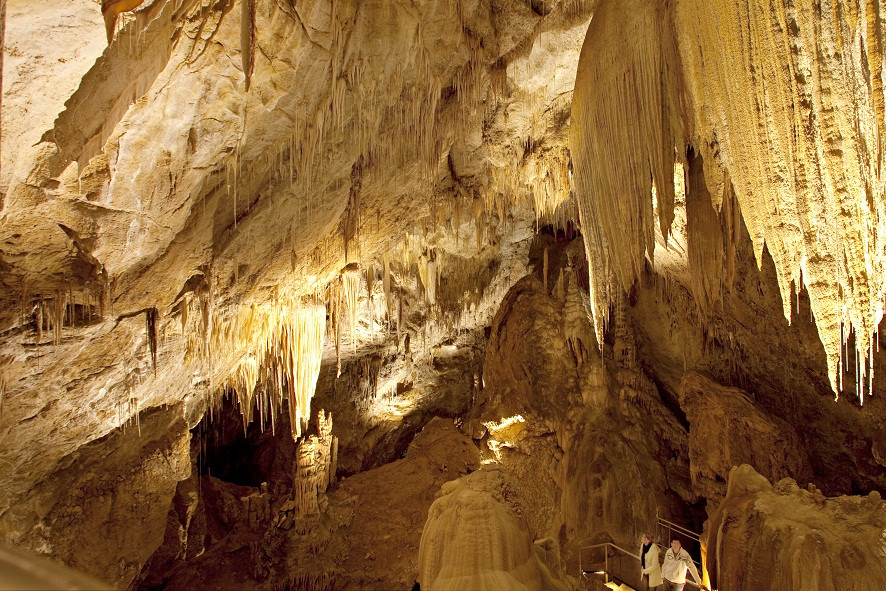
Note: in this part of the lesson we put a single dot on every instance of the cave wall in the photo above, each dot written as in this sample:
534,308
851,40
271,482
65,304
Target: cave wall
170,219
240,204
781,536
103,508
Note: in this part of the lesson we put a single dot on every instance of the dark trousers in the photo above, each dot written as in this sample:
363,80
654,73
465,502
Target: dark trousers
669,586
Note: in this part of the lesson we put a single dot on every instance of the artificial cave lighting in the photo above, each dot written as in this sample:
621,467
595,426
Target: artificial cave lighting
565,273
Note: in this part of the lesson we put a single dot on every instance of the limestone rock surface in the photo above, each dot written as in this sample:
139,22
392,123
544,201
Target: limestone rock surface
48,47
727,430
780,536
104,507
474,540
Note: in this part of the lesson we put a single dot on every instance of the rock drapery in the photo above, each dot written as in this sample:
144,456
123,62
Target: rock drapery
784,105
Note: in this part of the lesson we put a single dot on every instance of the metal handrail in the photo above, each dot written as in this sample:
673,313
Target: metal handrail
671,525
679,529
605,571
607,546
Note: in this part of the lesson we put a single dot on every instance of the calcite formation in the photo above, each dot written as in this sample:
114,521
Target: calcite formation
782,107
536,257
315,469
473,539
782,536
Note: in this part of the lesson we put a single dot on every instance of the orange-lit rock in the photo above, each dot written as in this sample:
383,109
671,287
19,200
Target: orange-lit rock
781,536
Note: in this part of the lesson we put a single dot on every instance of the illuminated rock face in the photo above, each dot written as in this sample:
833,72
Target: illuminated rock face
781,536
784,106
224,209
272,207
473,539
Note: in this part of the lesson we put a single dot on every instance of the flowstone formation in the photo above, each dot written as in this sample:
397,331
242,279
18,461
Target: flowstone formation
782,536
473,539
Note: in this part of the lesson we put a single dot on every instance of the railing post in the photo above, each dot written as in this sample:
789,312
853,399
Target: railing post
606,562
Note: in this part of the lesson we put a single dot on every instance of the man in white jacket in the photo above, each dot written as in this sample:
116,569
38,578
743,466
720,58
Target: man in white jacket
676,562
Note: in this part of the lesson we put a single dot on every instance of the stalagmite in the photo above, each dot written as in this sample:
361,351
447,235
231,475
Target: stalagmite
315,468
305,480
325,458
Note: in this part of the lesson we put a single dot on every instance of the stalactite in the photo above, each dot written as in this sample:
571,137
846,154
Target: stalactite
386,285
334,299
112,9
304,357
247,38
338,342
183,307
151,319
351,284
431,283
39,318
800,156
620,115
370,279
279,346
57,315
401,313
706,247
350,221
24,301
